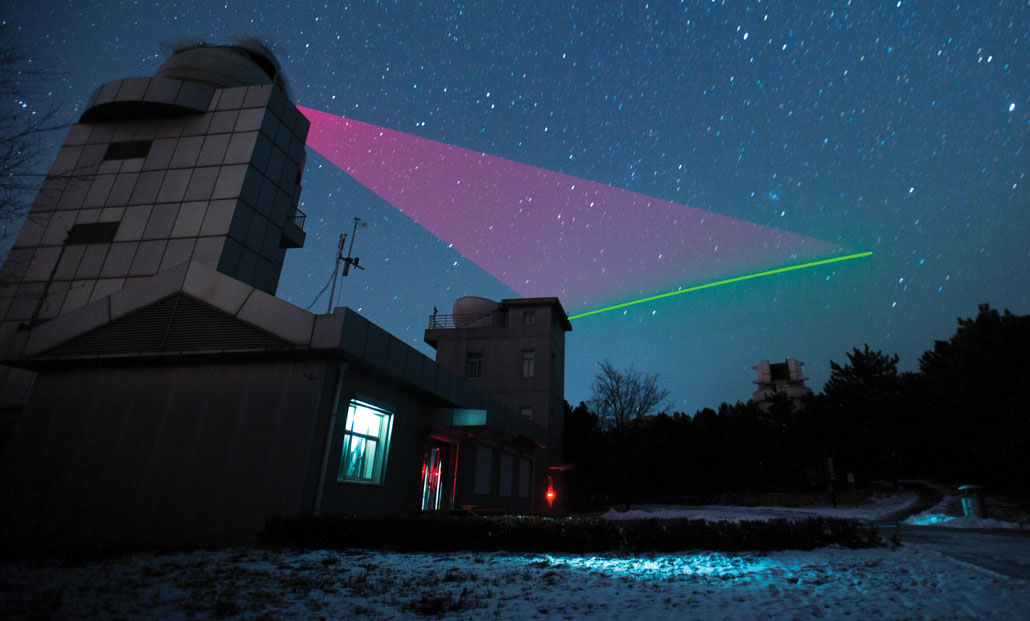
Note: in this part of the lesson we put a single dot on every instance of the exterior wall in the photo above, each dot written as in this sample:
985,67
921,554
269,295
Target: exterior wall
401,489
512,500
502,348
163,454
217,186
193,453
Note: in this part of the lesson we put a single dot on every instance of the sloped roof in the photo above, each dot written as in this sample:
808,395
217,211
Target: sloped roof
188,308
177,323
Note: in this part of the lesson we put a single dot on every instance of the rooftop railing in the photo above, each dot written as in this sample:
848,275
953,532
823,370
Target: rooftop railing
497,319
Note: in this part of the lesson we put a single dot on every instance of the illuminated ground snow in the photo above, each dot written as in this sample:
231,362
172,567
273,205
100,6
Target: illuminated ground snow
904,582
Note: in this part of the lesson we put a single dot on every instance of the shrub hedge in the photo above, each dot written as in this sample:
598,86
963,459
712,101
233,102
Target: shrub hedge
574,535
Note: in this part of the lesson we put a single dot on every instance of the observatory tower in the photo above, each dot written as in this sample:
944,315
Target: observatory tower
201,163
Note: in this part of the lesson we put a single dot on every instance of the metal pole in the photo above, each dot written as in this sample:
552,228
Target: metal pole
341,368
336,270
354,233
350,251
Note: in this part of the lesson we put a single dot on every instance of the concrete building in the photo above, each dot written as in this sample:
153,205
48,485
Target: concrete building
157,391
201,163
515,350
785,378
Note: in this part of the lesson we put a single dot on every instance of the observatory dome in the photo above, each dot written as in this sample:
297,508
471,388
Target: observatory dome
472,305
223,66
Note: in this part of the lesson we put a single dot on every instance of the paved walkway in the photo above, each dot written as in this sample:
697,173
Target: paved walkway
1000,550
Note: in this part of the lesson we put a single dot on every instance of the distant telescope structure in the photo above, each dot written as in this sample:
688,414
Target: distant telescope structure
784,377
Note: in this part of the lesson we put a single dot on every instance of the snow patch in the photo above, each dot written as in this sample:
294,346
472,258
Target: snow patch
877,508
966,521
938,516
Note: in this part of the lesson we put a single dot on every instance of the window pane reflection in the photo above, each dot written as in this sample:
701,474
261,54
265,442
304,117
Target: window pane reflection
365,443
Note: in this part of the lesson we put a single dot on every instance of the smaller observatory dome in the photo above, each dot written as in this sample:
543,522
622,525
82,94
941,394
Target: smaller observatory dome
224,66
474,312
472,305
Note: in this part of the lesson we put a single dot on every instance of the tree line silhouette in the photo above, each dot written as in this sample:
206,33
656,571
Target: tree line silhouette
962,418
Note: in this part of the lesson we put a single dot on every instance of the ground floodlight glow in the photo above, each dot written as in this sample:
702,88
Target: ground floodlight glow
739,568
928,519
544,233
719,283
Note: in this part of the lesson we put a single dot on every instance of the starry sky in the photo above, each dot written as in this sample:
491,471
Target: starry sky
893,127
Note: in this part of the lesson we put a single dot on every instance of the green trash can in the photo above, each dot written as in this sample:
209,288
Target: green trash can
972,500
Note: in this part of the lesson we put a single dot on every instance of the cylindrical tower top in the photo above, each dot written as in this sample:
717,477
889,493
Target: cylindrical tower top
224,66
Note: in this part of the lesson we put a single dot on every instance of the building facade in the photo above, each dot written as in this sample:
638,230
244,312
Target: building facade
201,163
157,392
513,349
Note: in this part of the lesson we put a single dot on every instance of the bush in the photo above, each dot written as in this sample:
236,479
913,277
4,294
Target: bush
570,535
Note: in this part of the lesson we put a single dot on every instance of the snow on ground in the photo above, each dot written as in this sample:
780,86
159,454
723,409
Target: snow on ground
904,582
911,581
939,515
877,509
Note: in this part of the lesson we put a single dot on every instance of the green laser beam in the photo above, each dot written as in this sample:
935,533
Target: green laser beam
727,281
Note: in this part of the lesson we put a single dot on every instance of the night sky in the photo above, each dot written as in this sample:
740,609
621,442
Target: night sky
893,127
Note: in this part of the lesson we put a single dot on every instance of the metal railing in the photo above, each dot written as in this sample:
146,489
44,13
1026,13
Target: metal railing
297,217
497,319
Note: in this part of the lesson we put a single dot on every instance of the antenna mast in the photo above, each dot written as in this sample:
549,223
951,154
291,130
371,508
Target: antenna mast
348,260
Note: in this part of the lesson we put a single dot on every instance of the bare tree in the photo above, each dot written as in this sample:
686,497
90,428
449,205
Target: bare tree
621,396
22,132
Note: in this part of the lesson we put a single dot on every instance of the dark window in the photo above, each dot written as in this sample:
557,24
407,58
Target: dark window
528,363
100,233
127,150
779,371
474,366
528,318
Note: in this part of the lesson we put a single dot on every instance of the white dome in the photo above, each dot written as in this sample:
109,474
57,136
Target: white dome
472,305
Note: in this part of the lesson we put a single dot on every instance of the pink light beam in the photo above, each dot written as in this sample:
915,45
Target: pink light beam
544,233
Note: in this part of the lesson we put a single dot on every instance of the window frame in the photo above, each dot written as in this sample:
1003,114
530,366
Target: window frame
473,362
382,443
483,478
506,474
528,363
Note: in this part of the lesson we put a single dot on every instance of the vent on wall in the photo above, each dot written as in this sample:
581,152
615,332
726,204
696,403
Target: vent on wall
175,324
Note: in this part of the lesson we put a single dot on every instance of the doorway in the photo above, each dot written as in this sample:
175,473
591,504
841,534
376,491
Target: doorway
438,475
